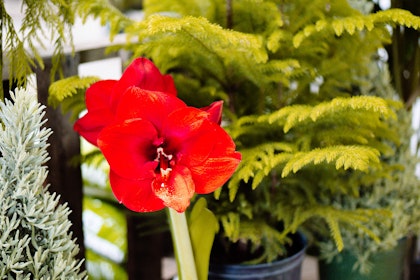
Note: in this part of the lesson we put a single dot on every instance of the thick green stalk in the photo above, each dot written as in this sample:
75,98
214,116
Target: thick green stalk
182,245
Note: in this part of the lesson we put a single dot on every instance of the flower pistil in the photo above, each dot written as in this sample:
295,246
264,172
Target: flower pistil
165,161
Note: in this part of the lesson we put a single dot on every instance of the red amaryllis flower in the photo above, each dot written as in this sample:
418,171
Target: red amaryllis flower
161,151
102,98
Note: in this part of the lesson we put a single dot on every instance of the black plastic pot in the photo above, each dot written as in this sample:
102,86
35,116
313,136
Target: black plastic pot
285,269
387,265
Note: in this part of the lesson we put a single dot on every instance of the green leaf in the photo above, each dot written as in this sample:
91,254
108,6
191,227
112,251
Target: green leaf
70,94
68,87
203,226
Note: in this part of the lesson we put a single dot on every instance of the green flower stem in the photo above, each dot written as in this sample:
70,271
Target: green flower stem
182,245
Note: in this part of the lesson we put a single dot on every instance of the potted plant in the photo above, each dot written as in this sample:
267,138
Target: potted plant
391,256
364,257
396,191
39,238
37,242
290,78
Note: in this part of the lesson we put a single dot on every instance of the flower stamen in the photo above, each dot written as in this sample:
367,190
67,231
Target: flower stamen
165,160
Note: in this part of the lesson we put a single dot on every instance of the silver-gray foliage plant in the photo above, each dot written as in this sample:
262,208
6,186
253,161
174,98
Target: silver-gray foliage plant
35,240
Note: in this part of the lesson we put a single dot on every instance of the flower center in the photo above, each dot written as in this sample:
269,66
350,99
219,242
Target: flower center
165,163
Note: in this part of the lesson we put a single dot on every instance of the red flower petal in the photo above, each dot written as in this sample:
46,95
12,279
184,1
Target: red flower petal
177,192
215,111
169,83
182,129
222,160
99,112
144,74
91,124
149,105
128,148
215,172
136,195
137,118
98,95
201,145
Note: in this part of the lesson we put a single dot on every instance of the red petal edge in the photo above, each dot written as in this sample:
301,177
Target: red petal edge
136,195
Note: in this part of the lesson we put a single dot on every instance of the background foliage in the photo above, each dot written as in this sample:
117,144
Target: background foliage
23,42
302,103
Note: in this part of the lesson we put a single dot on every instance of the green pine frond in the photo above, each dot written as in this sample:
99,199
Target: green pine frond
346,134
247,125
259,233
281,71
397,16
356,23
231,224
365,103
357,219
65,88
106,13
257,163
19,62
220,38
44,23
292,116
262,235
361,218
342,133
197,8
199,44
335,218
354,157
52,21
258,17
335,232
70,94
